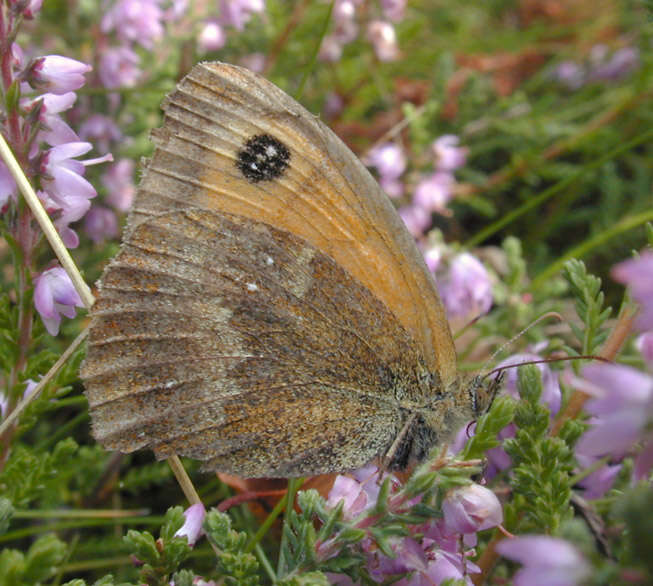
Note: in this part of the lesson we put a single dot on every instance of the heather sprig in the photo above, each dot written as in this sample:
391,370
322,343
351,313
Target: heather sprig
235,565
589,300
541,464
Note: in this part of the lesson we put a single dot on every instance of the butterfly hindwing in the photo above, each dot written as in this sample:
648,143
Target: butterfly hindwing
227,340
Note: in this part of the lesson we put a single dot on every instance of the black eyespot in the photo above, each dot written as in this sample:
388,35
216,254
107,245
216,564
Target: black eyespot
263,158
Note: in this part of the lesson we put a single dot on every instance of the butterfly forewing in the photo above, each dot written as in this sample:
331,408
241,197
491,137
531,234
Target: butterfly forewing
219,120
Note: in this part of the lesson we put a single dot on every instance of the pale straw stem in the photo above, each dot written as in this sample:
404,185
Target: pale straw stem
44,381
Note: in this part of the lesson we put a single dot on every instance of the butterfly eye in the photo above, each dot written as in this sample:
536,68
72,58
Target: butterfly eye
263,158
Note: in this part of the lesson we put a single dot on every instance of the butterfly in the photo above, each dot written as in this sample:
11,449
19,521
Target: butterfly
268,313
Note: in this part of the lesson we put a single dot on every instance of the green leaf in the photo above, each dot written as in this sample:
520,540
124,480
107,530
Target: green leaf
6,512
12,97
308,579
12,567
589,300
43,557
143,546
420,482
183,578
529,383
235,565
173,521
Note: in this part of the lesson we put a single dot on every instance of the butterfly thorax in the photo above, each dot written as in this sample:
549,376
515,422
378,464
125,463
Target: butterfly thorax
432,413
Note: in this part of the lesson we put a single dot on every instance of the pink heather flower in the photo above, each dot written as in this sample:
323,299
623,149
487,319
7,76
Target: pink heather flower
119,67
63,174
410,557
643,343
333,105
393,9
434,191
644,460
622,62
384,40
351,492
637,273
596,484
429,560
7,187
622,412
446,565
416,218
54,296
55,131
358,493
422,564
393,187
497,458
471,508
389,160
448,155
570,74
622,406
100,224
547,561
192,527
254,62
30,385
344,18
368,476
138,21
330,49
48,203
433,257
32,8
17,58
598,54
175,10
212,37
118,180
466,290
58,75
237,13
65,185
101,131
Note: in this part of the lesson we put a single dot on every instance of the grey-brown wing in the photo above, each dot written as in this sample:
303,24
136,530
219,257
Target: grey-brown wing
226,340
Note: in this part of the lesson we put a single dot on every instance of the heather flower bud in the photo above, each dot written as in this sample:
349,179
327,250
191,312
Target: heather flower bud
58,75
471,508
192,527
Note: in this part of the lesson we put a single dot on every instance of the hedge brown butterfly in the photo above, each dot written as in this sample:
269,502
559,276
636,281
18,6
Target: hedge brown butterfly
268,313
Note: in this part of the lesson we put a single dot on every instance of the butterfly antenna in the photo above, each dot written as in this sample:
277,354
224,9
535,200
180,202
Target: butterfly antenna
550,359
519,335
